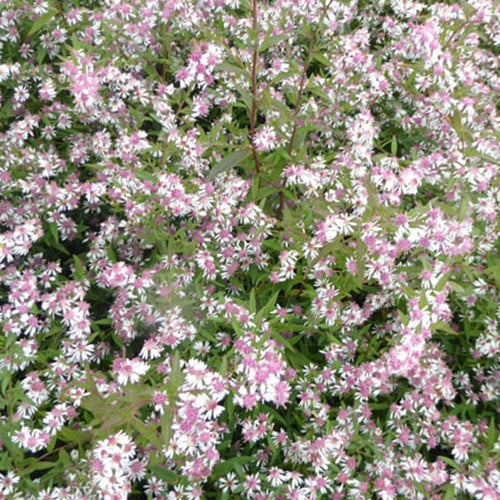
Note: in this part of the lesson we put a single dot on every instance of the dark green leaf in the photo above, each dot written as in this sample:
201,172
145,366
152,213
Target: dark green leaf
272,40
147,432
167,475
41,21
230,161
394,146
229,465
79,269
144,175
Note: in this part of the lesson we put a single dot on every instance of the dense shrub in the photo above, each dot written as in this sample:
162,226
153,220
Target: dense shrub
249,249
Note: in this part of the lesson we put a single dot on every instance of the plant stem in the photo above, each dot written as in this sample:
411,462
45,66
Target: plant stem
253,113
303,78
176,117
166,30
61,12
294,115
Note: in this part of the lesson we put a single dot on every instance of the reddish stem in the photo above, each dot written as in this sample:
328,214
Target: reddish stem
297,106
294,117
253,113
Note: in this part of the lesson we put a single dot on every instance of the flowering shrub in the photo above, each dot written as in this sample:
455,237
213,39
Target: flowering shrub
249,249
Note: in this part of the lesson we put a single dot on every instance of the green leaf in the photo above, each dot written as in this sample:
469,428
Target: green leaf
94,402
79,269
455,286
456,122
176,379
41,55
246,97
279,106
39,466
94,406
449,492
464,208
53,231
283,75
252,301
144,175
494,272
223,366
52,238
76,43
322,59
239,470
6,378
394,146
272,40
231,68
264,192
104,321
296,356
267,308
450,462
170,477
471,152
73,436
147,432
138,395
230,406
42,21
64,458
111,253
227,466
115,419
230,161
276,416
402,317
441,325
492,434
208,336
288,327
360,261
166,420
300,137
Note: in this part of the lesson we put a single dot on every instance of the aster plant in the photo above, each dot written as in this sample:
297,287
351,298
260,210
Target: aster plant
249,249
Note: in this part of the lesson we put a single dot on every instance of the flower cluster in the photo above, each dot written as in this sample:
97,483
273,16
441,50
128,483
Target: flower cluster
113,466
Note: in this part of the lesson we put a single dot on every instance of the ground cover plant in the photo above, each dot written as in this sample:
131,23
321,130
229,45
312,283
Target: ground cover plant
249,249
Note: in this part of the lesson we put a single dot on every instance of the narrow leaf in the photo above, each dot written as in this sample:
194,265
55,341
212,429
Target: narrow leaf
147,432
230,161
229,465
272,40
79,270
394,146
41,22
167,475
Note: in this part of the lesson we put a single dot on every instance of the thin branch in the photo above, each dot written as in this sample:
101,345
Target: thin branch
253,113
174,120
61,12
166,30
303,78
301,91
291,142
